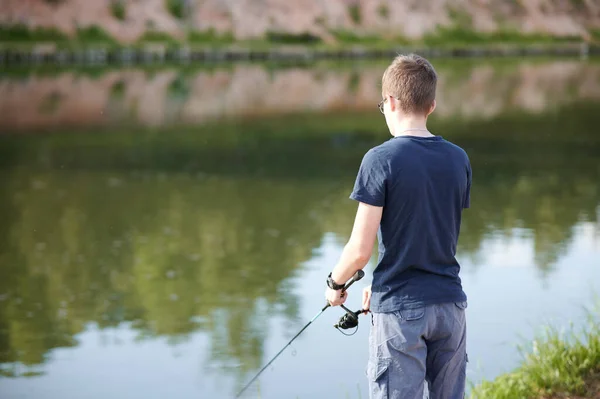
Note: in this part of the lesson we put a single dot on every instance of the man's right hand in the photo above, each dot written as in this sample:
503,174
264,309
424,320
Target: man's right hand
366,298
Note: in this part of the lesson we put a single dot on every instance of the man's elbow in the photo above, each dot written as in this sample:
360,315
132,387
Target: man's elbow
359,254
363,258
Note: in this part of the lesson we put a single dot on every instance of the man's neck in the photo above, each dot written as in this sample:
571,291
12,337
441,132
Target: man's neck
411,127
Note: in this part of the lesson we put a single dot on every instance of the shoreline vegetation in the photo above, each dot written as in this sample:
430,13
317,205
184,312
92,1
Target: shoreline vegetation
557,365
22,45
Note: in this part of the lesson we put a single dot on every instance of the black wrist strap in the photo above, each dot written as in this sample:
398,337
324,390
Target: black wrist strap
333,285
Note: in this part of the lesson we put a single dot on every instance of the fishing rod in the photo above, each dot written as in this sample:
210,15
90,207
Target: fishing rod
349,320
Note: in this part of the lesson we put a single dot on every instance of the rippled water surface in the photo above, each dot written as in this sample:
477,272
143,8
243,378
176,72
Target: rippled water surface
163,233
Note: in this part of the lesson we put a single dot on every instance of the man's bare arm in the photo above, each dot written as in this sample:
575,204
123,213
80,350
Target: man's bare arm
358,250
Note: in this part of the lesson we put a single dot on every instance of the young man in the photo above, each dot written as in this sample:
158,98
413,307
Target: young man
411,191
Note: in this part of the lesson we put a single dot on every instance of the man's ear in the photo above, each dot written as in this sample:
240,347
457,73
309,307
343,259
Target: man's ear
433,105
393,104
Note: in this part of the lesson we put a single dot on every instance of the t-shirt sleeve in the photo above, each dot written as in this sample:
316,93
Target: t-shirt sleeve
467,198
370,183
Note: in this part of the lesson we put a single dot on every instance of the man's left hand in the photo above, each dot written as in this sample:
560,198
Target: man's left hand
335,297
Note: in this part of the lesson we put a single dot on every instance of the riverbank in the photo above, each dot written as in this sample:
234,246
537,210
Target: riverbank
93,55
159,54
123,31
20,45
557,366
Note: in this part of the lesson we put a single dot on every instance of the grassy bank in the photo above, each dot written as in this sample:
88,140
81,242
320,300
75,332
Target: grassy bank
556,366
93,45
21,37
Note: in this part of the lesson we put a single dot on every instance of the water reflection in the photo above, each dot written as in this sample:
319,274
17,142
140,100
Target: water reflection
472,89
206,230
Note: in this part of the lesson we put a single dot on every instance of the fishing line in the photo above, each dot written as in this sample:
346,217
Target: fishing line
349,320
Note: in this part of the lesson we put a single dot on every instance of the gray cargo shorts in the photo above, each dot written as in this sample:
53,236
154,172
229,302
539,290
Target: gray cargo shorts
409,348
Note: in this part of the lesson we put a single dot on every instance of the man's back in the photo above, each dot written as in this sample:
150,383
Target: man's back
423,183
410,191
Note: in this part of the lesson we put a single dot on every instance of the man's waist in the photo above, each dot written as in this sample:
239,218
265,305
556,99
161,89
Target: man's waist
391,302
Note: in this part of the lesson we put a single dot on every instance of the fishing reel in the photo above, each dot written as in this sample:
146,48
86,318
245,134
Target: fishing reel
349,320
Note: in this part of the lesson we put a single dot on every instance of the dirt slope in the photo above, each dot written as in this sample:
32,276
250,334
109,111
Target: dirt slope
254,18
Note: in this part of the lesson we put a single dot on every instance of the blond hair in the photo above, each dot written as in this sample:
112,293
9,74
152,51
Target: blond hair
411,80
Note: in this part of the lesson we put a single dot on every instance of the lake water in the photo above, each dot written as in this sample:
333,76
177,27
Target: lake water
165,232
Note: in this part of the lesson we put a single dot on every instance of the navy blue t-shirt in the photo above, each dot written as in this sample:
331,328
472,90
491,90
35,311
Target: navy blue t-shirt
423,184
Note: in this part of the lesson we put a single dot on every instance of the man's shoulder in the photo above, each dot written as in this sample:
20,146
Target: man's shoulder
383,150
377,153
399,148
456,148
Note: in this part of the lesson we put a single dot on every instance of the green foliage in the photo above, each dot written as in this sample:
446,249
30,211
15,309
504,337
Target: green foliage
442,37
457,35
179,88
383,11
355,13
579,5
349,37
460,18
209,37
118,10
176,8
346,36
353,82
118,90
515,3
50,103
556,365
94,34
290,38
156,36
21,33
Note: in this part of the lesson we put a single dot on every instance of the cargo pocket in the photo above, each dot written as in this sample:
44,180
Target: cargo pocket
378,376
411,314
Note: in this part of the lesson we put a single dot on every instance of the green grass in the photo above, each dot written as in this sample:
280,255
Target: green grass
179,88
209,37
349,37
94,34
457,35
557,364
118,90
383,11
50,104
21,33
156,37
355,14
289,38
117,8
460,17
579,5
21,37
175,8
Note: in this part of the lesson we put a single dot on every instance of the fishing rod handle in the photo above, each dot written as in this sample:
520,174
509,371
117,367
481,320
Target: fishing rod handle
357,276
